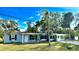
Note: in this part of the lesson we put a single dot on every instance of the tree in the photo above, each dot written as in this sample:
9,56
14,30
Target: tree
29,26
55,20
67,19
9,26
49,22
46,25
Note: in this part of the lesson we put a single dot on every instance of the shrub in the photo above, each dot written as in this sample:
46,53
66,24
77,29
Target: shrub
1,35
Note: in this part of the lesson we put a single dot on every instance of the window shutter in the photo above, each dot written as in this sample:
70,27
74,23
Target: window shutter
9,37
15,37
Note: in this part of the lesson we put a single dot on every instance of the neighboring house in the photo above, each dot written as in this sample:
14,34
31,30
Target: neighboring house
59,37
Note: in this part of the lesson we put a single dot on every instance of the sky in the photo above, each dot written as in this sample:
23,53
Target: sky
24,14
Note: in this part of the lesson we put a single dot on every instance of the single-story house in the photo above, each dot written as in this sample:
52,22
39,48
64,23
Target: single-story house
59,37
23,37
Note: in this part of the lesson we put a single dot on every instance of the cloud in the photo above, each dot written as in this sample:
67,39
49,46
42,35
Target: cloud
24,22
31,17
23,29
38,11
1,18
19,26
33,23
16,20
38,14
71,9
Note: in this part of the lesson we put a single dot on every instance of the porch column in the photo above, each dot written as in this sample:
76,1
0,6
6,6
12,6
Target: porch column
38,37
22,37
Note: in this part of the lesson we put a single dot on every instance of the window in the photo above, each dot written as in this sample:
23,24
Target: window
43,36
54,37
51,37
9,37
15,37
58,36
12,37
33,37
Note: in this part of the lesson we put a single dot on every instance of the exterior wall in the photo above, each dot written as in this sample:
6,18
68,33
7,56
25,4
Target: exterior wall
25,38
7,40
76,38
22,38
19,37
59,36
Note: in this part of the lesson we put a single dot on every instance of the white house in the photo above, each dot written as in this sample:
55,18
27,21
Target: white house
23,37
60,37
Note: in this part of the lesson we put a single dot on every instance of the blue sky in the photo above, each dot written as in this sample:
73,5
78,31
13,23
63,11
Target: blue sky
29,13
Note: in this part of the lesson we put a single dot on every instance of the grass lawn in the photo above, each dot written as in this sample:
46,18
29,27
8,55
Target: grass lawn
55,46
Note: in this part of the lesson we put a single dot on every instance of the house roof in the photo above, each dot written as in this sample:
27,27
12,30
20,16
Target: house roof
33,33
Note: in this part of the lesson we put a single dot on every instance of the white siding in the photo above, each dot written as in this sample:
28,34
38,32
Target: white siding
25,38
7,40
18,37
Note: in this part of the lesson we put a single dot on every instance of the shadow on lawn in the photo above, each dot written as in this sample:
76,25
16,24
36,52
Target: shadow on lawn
1,42
41,48
18,43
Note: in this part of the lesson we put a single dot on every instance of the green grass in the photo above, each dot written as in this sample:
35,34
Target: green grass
55,46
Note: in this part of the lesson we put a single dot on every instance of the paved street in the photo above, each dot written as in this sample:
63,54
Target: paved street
71,42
